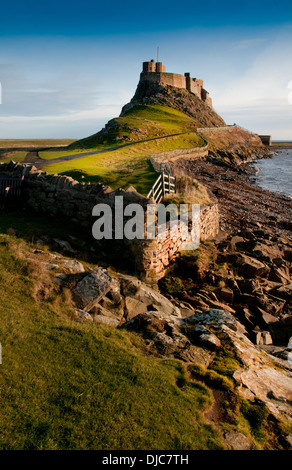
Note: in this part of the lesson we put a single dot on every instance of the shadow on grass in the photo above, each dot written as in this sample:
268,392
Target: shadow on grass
140,176
43,230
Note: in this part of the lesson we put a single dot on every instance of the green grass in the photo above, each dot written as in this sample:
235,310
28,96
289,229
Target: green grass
68,385
123,167
10,143
140,123
142,127
15,156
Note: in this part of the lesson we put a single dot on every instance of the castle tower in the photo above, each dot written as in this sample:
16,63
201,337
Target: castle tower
160,67
149,66
156,72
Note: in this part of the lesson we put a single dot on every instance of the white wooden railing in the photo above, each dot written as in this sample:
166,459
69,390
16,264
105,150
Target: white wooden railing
165,184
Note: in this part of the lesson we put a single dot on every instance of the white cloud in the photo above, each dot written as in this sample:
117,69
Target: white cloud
96,113
260,94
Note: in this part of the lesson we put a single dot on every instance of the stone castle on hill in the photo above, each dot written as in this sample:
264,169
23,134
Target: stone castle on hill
156,72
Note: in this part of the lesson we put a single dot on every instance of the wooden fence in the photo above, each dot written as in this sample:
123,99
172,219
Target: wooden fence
10,186
165,184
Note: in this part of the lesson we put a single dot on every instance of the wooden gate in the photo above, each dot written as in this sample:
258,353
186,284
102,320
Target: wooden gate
165,184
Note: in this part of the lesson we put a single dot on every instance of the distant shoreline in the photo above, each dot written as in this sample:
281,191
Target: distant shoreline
281,145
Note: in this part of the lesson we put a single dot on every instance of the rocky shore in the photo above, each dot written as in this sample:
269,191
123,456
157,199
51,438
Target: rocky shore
223,310
242,203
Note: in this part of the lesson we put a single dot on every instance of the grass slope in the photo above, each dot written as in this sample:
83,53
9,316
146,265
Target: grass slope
125,166
69,385
139,123
145,130
142,127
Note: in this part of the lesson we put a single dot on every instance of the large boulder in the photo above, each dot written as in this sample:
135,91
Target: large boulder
167,337
90,290
280,275
252,268
73,266
133,288
284,292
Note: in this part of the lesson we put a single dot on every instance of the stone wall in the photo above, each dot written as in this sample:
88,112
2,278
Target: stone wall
157,254
171,156
266,139
172,79
57,195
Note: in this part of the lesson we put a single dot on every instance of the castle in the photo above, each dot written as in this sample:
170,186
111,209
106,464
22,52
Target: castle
156,72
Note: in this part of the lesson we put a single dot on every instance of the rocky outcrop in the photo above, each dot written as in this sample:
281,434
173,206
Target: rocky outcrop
177,329
153,93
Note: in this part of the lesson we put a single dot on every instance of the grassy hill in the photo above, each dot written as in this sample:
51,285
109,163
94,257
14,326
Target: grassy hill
70,385
124,146
140,123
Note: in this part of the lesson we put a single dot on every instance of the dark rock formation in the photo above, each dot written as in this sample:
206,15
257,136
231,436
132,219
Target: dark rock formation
148,92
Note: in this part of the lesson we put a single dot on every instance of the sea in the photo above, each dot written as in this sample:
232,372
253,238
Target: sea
275,174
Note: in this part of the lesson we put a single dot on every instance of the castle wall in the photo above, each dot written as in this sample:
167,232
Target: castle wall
165,78
266,139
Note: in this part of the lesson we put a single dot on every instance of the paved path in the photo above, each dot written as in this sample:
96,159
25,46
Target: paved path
40,161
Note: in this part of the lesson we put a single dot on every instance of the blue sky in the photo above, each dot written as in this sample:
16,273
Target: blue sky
68,67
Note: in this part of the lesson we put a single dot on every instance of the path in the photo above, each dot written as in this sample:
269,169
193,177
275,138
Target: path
41,162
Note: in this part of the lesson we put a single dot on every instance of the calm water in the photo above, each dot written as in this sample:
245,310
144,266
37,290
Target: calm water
275,174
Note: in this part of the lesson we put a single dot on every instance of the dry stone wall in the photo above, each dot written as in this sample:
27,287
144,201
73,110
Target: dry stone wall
63,196
167,157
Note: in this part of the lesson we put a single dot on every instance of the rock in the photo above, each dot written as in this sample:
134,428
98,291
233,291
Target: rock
267,318
253,268
133,287
288,439
83,316
270,384
279,275
90,290
218,305
266,253
64,246
226,294
287,255
185,308
284,292
271,304
237,441
279,352
100,311
60,278
106,320
215,318
166,337
206,338
73,266
262,337
116,309
249,286
115,291
134,307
